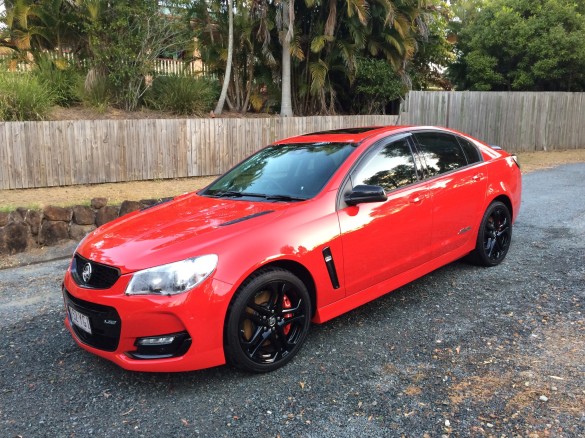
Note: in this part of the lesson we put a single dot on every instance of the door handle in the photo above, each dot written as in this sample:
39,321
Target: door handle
416,199
478,177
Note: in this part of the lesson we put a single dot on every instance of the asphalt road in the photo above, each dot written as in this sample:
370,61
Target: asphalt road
464,351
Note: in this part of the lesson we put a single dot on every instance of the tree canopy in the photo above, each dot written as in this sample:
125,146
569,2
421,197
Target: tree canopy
326,40
519,45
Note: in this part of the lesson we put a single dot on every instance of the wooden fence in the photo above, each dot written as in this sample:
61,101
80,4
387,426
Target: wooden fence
160,66
516,121
44,154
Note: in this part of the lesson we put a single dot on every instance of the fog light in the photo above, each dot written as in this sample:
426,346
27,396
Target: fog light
162,346
158,340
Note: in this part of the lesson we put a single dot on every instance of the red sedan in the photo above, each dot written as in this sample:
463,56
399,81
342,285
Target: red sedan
302,231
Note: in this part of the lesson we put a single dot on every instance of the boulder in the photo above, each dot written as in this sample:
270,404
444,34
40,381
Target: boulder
14,238
3,218
145,203
83,215
15,216
105,215
33,219
52,232
53,213
129,207
98,203
78,232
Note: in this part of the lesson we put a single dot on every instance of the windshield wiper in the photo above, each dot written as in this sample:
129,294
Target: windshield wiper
226,194
285,198
236,194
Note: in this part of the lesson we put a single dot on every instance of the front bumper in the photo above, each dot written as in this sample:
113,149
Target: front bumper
117,321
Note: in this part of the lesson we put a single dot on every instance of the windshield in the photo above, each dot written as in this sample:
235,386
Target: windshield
291,172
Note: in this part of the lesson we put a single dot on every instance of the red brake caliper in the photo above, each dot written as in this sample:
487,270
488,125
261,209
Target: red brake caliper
286,304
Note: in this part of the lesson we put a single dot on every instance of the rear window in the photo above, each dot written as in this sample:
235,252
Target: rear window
471,152
441,152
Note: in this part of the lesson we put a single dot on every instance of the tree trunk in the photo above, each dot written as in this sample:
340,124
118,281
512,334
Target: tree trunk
286,101
228,68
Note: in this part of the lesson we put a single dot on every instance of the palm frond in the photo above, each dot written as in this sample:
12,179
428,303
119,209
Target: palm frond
359,8
296,50
318,43
331,18
319,72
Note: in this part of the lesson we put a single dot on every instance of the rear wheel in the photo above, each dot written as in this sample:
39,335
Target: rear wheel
494,236
268,321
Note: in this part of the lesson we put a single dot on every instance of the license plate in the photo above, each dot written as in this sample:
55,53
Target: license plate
80,320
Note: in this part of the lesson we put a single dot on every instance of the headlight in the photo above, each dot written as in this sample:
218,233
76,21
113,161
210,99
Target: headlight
174,278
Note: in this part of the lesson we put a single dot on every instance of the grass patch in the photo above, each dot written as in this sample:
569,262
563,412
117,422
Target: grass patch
61,78
95,92
24,97
10,208
182,95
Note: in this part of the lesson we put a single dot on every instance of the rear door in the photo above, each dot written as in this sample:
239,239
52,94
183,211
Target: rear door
383,239
457,183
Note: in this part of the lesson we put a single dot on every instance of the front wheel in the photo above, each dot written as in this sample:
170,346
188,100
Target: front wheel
268,321
494,236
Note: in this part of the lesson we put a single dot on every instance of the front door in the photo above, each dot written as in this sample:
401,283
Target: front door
383,239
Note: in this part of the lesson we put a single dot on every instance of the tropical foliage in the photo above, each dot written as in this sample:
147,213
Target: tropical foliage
325,41
536,45
183,95
302,57
24,97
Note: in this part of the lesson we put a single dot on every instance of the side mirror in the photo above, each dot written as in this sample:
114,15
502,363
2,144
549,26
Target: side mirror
364,193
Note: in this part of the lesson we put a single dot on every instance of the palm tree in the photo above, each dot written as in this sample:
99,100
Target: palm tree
286,36
230,56
338,36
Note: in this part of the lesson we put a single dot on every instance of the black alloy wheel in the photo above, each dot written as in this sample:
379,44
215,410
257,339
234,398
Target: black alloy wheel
494,236
268,321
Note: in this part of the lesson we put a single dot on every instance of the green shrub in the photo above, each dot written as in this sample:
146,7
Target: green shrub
59,76
376,85
24,97
95,91
184,95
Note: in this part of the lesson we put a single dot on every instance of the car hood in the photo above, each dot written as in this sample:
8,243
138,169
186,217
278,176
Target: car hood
175,230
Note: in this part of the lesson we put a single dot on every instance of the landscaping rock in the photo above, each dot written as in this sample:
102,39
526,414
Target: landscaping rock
53,213
83,215
106,214
78,232
33,219
14,238
52,232
129,207
145,203
3,218
15,216
98,203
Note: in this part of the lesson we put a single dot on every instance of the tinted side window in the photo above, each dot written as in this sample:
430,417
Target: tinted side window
441,152
471,152
391,167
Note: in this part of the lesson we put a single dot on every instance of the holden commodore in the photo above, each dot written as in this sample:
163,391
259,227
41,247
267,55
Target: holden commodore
304,230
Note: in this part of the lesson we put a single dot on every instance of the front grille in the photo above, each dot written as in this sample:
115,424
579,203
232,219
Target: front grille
102,276
104,321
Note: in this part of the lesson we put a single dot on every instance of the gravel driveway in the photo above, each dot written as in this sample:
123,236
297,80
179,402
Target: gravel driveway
464,351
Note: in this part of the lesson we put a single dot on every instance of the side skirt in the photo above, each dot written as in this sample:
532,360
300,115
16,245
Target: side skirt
353,301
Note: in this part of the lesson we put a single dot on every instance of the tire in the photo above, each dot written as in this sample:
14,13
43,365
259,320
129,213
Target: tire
494,236
268,321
